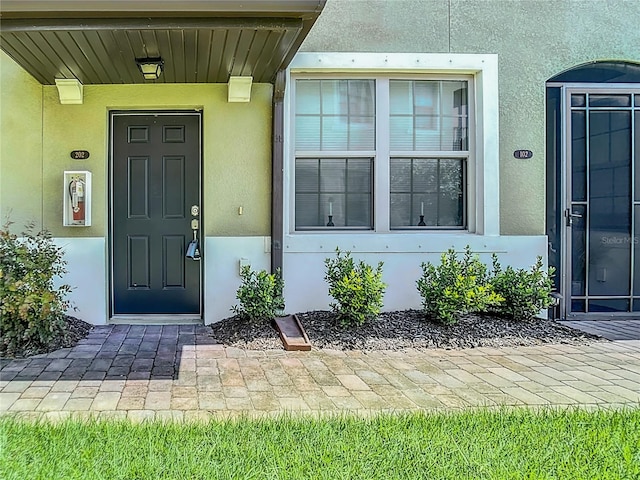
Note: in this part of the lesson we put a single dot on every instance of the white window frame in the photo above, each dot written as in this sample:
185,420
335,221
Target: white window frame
483,185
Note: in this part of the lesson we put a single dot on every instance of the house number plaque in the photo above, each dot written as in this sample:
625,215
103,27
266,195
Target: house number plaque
523,154
79,154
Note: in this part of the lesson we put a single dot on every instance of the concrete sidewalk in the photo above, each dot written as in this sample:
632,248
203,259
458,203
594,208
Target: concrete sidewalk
179,372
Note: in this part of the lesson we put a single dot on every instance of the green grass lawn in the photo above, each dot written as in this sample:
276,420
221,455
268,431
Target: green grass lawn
507,444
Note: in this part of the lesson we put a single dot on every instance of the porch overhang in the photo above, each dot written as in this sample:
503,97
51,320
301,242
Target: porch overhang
201,41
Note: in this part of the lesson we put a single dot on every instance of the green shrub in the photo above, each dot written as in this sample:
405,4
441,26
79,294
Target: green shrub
456,287
356,287
526,293
32,310
260,294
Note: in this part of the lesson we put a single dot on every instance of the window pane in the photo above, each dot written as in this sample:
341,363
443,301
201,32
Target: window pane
577,306
358,210
609,100
401,133
335,115
332,175
454,98
361,98
429,204
307,175
426,192
307,210
362,133
334,97
427,133
400,170
334,133
359,175
307,133
308,97
401,210
428,115
425,98
454,133
425,175
636,137
579,250
333,187
578,100
613,305
578,156
401,97
450,211
635,240
609,203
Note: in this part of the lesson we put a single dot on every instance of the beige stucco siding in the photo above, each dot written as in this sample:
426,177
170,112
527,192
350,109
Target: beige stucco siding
20,145
534,40
236,150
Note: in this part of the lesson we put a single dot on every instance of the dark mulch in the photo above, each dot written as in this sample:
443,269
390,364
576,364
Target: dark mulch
402,329
74,330
390,331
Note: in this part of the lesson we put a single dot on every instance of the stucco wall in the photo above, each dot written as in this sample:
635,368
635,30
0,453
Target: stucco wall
20,146
236,151
535,40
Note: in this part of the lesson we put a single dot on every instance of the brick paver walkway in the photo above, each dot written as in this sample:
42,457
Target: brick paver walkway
179,372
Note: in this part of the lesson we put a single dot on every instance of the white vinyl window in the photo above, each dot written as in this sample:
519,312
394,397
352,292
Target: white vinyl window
363,143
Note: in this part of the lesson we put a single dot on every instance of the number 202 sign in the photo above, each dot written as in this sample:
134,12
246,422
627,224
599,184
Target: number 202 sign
79,154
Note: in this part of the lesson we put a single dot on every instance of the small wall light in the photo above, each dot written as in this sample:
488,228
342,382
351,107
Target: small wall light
70,91
151,68
239,89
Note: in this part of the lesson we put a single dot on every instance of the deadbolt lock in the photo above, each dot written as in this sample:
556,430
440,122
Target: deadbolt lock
195,210
194,224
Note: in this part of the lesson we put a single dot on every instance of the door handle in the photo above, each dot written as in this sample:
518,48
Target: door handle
570,216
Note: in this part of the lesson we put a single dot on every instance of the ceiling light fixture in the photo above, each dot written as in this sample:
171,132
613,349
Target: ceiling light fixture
151,68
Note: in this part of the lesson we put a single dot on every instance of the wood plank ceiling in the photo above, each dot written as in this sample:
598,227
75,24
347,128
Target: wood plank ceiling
203,49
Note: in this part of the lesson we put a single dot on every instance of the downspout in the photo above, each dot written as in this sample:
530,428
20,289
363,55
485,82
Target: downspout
277,172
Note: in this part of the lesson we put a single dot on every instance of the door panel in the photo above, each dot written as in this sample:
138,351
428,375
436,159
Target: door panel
155,181
602,231
609,203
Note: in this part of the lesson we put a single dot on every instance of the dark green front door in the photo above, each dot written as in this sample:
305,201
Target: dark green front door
155,185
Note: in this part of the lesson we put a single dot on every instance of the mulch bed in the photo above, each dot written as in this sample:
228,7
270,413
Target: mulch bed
390,331
402,329
74,331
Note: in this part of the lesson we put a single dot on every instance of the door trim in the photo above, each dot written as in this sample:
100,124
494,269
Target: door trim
565,194
151,319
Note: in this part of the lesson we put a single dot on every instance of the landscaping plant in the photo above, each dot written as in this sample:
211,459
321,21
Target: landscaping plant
356,288
456,287
525,292
32,309
260,294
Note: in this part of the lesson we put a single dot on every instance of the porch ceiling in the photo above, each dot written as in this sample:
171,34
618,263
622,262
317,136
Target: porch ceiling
97,42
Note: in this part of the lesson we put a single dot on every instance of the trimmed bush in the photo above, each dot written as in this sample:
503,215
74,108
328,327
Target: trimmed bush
260,295
356,288
32,310
525,293
456,287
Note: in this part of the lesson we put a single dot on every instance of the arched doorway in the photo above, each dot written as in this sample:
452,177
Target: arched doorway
593,188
